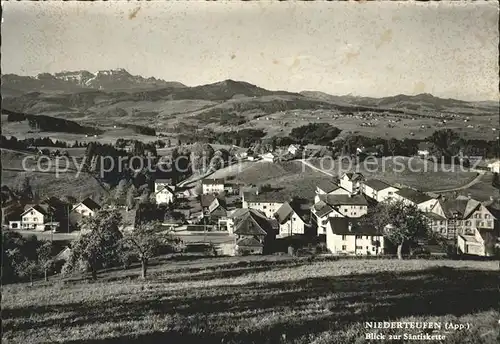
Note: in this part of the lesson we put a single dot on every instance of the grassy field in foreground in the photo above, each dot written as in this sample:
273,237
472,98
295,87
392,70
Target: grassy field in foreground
256,300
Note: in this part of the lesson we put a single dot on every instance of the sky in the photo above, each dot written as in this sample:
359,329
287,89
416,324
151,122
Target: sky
369,49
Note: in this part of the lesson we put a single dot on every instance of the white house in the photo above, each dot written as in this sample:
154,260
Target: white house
414,197
321,213
351,181
327,206
164,191
347,237
294,149
494,166
330,188
34,217
378,190
266,202
87,207
290,222
212,186
269,157
481,243
423,150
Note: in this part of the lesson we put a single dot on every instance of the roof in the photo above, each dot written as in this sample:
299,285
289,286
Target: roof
209,181
434,216
206,200
376,184
338,200
322,209
285,212
40,208
413,195
163,181
169,188
274,196
347,226
249,242
250,222
328,186
354,176
459,207
89,203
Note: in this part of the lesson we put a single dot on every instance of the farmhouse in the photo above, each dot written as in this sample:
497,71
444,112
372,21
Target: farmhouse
346,236
351,181
414,197
164,191
267,202
321,213
378,190
34,217
213,206
290,222
462,216
212,186
479,243
330,188
87,207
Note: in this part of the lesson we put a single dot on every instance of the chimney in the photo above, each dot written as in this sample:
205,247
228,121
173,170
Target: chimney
469,196
349,226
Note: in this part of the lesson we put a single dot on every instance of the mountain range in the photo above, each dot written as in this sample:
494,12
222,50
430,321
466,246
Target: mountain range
108,98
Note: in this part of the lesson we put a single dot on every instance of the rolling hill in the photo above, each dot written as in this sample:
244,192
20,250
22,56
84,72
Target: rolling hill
109,98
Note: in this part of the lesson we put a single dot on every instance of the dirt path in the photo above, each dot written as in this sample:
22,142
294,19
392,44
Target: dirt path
307,163
466,186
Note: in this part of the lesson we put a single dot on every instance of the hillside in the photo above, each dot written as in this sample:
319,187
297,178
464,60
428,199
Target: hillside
111,98
264,300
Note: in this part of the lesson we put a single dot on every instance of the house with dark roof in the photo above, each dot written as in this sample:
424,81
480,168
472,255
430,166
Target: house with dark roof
289,220
251,229
268,202
463,216
327,206
87,207
378,190
414,197
329,187
352,182
164,191
345,236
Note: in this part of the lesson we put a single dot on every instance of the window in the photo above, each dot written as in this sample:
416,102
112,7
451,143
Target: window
264,207
486,216
35,219
359,237
359,247
32,212
490,223
344,247
344,237
354,213
345,210
441,222
367,237
467,223
367,247
389,193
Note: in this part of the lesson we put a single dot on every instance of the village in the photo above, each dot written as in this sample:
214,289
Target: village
232,219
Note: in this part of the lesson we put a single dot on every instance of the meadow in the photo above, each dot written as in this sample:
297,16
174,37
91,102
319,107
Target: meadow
255,300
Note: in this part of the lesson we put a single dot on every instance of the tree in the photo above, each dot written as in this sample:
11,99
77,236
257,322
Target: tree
392,146
401,223
44,258
22,187
98,246
144,242
121,191
445,143
27,268
131,194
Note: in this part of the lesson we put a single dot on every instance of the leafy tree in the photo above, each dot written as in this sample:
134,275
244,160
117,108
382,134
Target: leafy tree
22,187
445,143
44,258
27,268
145,242
401,223
392,146
98,245
121,191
